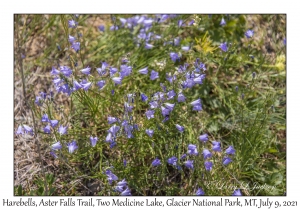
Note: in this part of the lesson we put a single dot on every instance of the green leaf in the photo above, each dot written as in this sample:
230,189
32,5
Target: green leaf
40,191
276,178
51,191
20,190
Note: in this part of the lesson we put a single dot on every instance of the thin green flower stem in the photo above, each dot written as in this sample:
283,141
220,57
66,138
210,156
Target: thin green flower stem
51,117
26,102
80,51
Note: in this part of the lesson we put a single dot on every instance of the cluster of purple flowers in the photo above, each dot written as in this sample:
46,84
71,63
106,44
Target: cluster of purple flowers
74,45
197,106
51,124
63,73
116,130
192,150
24,129
143,24
110,176
42,97
60,79
121,186
216,146
154,74
159,99
192,77
62,130
62,84
160,102
112,134
146,23
72,146
229,151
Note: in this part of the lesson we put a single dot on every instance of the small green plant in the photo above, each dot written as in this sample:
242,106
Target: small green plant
20,191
